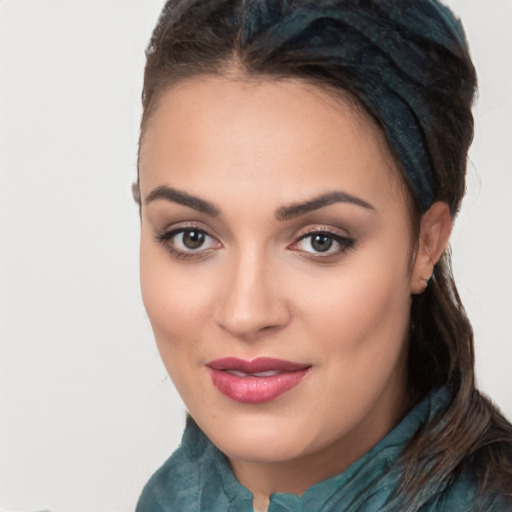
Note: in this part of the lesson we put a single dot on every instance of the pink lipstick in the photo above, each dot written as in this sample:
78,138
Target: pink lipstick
257,381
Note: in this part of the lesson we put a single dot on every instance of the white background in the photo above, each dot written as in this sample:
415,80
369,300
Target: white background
87,412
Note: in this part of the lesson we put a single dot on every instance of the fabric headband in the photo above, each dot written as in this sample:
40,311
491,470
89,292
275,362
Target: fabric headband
392,50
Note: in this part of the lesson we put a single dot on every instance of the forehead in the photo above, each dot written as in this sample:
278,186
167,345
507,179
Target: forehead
290,134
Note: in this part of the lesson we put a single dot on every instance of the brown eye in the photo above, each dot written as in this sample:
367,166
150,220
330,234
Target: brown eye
193,239
184,242
323,243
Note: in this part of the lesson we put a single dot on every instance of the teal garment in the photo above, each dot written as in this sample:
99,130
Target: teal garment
198,478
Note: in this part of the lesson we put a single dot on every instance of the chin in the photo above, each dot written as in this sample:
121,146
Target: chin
265,439
262,450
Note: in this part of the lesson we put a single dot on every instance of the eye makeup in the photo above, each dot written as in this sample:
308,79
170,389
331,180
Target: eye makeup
188,242
318,243
322,242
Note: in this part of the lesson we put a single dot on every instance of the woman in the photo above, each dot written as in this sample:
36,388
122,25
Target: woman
300,167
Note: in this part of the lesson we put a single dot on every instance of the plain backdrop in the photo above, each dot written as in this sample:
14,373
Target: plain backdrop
87,412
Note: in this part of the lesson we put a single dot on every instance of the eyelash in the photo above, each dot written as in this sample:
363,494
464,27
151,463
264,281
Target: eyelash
165,238
345,243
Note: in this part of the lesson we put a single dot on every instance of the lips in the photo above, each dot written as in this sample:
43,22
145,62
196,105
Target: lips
257,381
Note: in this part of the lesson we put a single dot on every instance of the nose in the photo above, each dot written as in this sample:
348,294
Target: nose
251,299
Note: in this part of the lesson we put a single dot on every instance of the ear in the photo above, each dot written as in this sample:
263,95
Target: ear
436,226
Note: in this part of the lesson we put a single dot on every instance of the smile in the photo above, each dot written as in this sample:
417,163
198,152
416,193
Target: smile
257,381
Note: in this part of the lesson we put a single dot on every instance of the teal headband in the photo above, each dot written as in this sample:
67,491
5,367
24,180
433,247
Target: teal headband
393,51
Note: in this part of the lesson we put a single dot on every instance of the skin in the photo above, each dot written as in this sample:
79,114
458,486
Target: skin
255,288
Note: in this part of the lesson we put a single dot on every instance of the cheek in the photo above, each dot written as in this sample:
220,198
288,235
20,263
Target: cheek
359,320
175,304
362,312
178,312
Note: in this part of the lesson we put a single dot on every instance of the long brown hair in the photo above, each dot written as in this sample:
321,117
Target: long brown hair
194,37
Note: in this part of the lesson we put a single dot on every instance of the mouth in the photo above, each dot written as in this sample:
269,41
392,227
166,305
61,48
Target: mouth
257,381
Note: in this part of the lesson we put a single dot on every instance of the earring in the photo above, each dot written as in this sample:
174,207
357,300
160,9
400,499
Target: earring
427,279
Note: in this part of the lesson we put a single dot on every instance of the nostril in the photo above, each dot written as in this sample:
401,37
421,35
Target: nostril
253,321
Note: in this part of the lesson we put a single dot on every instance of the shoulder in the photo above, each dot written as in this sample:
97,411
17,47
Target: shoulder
175,486
196,477
464,494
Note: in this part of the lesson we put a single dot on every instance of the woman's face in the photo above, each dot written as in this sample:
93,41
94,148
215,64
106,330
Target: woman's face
274,225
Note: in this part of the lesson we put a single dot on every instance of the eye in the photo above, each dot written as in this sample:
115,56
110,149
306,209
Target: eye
323,243
187,241
190,239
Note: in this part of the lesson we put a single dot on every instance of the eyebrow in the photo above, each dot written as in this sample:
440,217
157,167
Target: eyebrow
282,214
180,197
297,209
